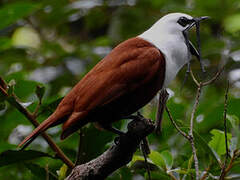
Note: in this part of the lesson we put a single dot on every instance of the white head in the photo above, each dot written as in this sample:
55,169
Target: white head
174,22
167,35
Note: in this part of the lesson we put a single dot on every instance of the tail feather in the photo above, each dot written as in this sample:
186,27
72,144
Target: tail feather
41,128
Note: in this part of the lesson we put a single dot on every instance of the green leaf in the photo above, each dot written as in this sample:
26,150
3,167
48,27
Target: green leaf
11,156
136,158
158,175
48,108
10,13
218,141
167,156
40,172
157,159
62,172
40,90
190,162
202,143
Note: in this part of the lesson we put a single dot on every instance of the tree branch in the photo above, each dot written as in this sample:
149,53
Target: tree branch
190,134
116,156
13,100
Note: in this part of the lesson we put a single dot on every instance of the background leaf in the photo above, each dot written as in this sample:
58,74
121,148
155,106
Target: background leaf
10,13
40,172
62,172
157,159
218,141
11,156
167,158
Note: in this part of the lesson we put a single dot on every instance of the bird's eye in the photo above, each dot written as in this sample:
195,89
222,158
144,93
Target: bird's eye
183,21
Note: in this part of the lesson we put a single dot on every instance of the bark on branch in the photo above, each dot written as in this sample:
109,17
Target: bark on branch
116,156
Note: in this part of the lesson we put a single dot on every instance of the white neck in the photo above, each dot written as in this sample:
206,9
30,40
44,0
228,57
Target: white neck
171,44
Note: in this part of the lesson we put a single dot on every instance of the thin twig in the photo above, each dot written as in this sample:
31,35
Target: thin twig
146,146
214,77
218,73
145,152
47,172
13,100
193,77
225,118
37,109
230,165
80,148
175,124
3,92
225,132
195,108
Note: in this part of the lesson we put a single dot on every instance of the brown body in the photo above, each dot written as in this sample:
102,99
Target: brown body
120,84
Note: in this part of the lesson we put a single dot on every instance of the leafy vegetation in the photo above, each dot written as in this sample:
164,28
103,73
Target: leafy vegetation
46,47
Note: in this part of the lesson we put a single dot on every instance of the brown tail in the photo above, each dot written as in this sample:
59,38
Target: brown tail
42,127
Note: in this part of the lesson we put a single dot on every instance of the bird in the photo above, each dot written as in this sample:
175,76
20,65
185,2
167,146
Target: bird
126,79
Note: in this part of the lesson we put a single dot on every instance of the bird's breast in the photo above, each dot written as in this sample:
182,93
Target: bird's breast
176,55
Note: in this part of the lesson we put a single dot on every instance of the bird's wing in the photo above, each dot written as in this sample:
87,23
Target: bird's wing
129,65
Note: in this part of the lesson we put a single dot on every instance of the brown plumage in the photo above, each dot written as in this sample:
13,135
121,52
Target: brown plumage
120,84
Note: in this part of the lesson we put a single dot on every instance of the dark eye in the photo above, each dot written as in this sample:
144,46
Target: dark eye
183,21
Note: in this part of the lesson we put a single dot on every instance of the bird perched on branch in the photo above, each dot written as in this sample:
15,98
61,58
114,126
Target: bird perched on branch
127,78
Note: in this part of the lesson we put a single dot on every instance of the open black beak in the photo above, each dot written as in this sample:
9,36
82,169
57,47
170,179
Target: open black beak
198,19
192,49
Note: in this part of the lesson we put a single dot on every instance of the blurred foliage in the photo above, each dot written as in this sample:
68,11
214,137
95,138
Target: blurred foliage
52,44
